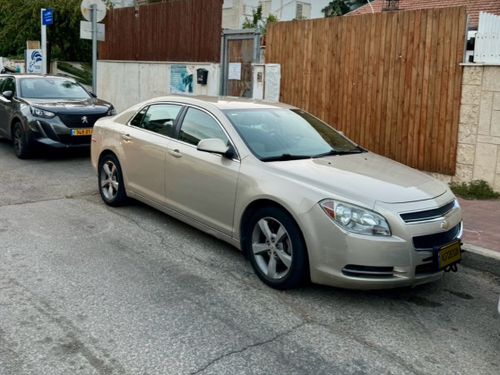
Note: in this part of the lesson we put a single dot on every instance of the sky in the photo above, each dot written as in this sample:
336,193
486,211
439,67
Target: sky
316,6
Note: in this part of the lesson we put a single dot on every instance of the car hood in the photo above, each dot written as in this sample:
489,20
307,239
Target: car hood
59,106
365,178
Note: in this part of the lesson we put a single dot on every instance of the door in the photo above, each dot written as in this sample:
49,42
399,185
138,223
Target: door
145,143
240,50
201,184
6,106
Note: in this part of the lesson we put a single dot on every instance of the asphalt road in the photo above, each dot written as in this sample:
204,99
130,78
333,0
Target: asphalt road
88,289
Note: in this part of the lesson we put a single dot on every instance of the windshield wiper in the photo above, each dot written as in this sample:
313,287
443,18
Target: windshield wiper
357,150
285,157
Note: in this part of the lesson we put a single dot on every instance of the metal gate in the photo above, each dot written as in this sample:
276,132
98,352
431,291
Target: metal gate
240,48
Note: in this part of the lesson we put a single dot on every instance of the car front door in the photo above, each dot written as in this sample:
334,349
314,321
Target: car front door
200,184
145,143
6,105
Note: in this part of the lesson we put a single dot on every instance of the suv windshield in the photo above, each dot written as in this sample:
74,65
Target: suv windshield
51,88
284,134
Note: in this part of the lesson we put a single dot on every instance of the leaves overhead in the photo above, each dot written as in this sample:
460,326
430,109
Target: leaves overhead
341,7
20,21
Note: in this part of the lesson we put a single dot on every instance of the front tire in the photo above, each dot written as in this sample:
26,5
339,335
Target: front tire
20,141
110,179
276,248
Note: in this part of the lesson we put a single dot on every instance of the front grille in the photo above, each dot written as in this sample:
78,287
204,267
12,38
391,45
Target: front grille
75,121
412,217
431,241
355,270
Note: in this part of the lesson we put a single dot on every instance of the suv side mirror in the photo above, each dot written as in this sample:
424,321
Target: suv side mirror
8,94
215,146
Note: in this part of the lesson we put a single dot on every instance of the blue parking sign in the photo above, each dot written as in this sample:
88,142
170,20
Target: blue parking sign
48,17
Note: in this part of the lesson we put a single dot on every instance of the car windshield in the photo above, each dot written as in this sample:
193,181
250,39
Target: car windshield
284,134
51,88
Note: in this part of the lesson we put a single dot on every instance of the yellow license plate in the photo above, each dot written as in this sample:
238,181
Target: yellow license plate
86,131
449,254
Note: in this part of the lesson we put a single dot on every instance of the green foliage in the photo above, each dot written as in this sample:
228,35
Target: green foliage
81,75
478,189
341,7
258,22
20,21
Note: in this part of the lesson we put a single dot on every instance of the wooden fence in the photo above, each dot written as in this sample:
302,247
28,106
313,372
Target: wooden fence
390,81
173,30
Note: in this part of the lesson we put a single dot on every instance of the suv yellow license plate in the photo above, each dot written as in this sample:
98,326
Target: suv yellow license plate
449,254
77,132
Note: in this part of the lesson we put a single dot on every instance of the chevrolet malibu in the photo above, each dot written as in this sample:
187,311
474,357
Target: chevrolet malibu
302,201
49,111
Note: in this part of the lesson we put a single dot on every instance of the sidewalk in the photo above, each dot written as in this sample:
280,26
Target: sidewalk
481,226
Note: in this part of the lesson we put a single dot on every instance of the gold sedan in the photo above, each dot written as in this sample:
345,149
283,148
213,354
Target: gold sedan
300,199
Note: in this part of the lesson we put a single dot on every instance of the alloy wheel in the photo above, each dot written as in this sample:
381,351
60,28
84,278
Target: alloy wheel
272,248
109,180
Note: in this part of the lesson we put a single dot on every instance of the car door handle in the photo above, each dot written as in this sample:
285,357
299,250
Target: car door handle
126,137
175,153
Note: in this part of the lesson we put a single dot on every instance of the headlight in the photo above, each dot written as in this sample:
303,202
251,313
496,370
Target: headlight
355,219
41,113
112,111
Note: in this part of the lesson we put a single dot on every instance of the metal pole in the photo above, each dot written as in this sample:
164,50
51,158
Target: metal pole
44,43
94,48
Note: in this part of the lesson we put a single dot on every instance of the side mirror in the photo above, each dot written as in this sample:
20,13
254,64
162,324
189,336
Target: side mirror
215,146
8,94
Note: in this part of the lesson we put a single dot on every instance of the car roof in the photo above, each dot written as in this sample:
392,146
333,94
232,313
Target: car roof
23,75
222,102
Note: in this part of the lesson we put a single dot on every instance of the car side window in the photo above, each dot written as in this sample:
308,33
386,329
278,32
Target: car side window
9,85
160,118
198,125
136,121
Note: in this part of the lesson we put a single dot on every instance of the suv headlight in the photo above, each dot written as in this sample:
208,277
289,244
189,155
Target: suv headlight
112,111
355,219
41,113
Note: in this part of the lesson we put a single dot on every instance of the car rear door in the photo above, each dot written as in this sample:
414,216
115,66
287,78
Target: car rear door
145,143
200,184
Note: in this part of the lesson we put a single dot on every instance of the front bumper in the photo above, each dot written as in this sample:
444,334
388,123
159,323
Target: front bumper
347,260
55,134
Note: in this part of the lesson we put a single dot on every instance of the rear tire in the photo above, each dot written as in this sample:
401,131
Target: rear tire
110,179
20,141
273,241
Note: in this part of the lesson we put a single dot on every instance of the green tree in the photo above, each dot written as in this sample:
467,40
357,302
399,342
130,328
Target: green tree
258,21
341,7
20,21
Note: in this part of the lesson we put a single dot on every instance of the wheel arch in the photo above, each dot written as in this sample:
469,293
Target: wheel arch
254,206
14,121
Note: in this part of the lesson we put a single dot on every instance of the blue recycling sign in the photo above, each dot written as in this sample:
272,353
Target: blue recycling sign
47,17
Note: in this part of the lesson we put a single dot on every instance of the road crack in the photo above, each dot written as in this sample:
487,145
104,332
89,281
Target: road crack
251,346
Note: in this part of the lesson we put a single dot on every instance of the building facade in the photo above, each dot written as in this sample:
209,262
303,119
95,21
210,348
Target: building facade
235,12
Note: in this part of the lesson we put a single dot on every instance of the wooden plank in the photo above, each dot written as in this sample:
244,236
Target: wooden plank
396,92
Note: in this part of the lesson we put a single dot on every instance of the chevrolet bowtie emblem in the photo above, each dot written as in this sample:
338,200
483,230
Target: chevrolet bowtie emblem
85,120
444,224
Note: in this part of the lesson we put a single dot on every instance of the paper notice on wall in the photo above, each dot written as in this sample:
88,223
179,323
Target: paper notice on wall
234,71
272,83
181,82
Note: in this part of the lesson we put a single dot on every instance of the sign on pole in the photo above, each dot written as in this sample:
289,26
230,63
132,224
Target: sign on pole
93,11
86,8
86,30
34,61
47,17
44,41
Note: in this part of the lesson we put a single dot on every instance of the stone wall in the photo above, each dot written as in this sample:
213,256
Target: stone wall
478,152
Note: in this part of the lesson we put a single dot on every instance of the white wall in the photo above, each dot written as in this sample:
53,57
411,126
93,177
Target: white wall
125,83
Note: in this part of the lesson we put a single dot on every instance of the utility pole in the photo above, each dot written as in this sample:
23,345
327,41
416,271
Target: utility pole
94,48
44,42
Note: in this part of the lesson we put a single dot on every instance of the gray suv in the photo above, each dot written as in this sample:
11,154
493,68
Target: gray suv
49,111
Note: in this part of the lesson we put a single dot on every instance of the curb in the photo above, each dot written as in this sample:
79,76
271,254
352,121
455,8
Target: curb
481,251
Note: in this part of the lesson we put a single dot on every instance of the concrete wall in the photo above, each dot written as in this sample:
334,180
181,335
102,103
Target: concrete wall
125,83
478,153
